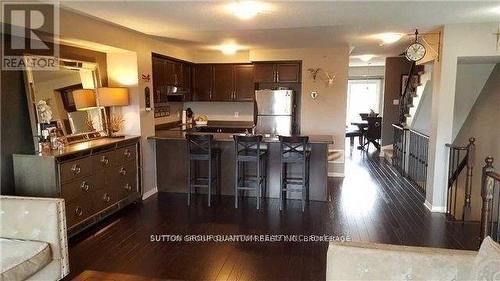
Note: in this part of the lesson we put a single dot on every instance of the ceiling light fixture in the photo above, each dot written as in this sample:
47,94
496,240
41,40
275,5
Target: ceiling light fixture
389,38
246,10
366,58
229,48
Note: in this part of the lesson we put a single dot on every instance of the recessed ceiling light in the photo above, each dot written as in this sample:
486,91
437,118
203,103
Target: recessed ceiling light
366,58
497,10
389,38
246,10
229,48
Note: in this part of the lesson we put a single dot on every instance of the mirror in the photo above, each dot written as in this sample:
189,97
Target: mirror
65,99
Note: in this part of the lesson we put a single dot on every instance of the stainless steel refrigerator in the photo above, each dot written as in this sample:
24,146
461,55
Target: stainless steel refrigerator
274,112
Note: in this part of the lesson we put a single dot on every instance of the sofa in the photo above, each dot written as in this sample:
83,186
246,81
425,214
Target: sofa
370,261
33,241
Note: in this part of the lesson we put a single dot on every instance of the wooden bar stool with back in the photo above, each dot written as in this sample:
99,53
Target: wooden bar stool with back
294,150
200,149
249,150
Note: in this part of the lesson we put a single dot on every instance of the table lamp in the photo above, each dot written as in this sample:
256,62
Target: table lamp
109,97
84,99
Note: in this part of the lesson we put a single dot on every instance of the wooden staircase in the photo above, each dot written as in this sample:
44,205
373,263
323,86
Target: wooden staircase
411,95
417,97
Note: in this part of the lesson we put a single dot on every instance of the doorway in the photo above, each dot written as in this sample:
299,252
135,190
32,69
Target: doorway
363,95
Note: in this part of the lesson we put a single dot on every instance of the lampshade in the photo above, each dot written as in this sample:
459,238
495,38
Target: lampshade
84,99
113,96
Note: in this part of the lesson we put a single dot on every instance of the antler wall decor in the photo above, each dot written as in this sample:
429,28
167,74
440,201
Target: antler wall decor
326,77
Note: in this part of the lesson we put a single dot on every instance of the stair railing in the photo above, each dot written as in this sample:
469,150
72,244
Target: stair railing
418,148
405,95
399,144
490,193
460,158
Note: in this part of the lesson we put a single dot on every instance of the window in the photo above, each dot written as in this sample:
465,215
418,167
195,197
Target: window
363,95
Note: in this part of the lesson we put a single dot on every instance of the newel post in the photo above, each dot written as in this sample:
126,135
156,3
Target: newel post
471,155
487,185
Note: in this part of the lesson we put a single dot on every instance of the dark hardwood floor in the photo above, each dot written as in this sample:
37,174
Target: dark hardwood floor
373,203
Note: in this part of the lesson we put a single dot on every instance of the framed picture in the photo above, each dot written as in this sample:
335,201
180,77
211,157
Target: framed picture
404,80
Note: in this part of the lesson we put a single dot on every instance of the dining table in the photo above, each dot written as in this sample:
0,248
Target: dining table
362,126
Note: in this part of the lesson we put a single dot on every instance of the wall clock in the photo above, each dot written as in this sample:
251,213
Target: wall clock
415,51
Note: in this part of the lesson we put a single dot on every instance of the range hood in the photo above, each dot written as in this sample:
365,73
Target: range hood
175,91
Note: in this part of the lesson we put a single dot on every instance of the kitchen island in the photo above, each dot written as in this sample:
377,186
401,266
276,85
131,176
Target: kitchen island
171,163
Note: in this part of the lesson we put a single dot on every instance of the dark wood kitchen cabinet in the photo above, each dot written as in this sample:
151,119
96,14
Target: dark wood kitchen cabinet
170,72
187,81
203,82
264,72
288,72
163,72
223,83
177,74
244,86
277,72
158,81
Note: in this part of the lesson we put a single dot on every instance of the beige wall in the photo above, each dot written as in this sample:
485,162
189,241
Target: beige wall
482,123
457,41
471,79
422,113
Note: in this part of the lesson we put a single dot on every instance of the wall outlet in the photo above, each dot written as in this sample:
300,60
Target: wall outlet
178,114
395,102
236,114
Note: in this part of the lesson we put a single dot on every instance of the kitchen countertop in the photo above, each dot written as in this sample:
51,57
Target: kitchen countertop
180,135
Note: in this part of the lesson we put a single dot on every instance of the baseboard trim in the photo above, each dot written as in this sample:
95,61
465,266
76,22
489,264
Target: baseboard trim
336,175
434,209
148,193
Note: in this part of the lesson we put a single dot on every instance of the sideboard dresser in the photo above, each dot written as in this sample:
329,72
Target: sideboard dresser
95,178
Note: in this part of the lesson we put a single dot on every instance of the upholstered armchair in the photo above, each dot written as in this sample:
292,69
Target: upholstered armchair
33,241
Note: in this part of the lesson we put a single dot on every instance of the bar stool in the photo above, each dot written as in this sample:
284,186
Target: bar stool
249,149
294,150
200,149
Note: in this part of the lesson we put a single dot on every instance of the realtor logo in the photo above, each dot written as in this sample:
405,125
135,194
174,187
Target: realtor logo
30,29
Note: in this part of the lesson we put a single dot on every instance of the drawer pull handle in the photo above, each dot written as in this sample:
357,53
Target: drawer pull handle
76,169
127,153
85,186
123,171
104,160
106,197
79,211
128,187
